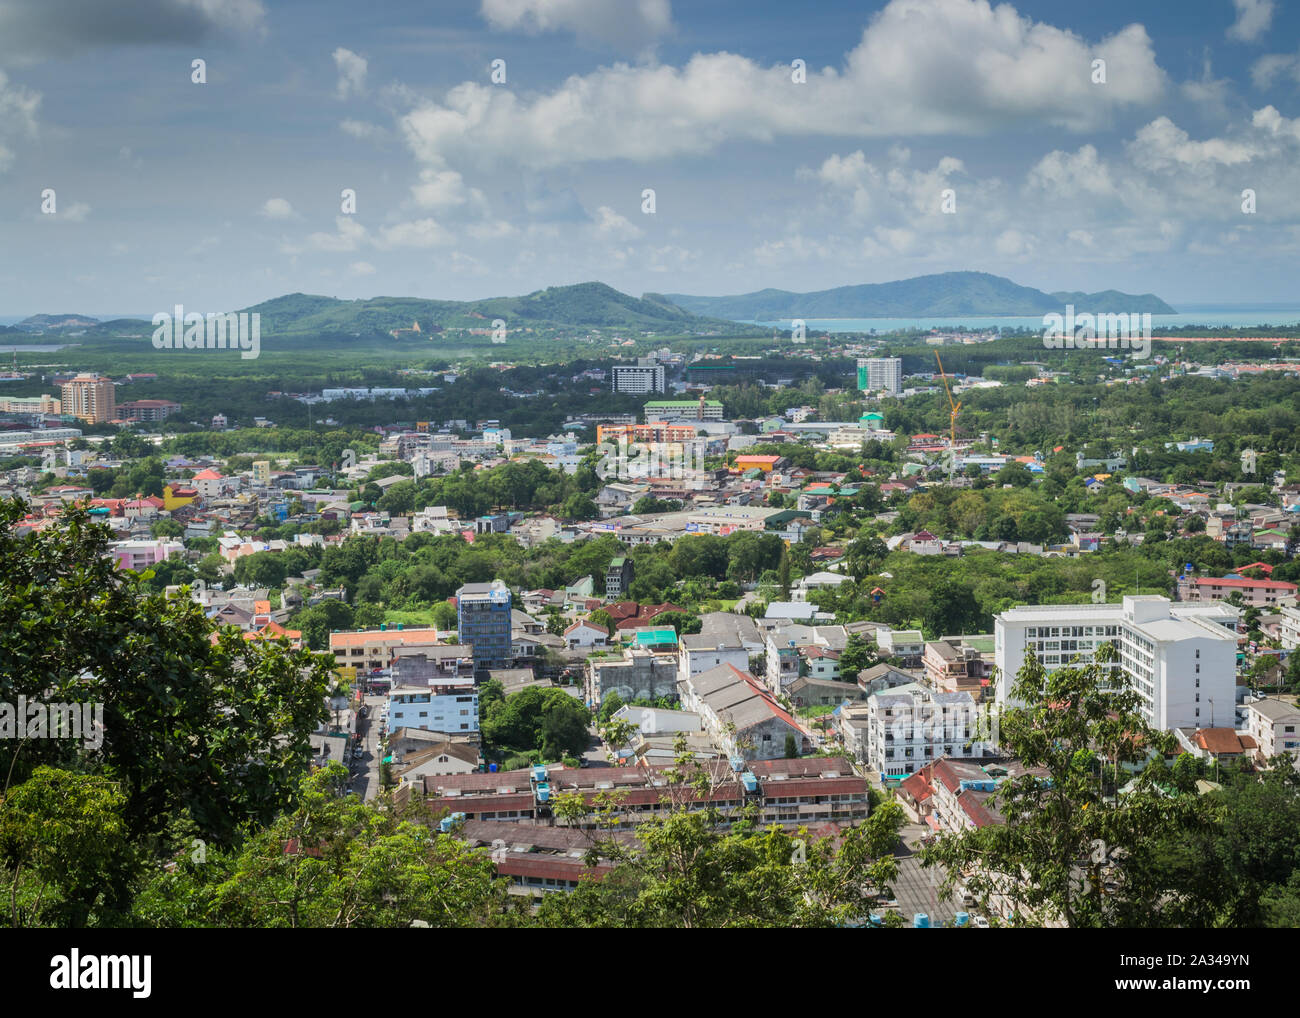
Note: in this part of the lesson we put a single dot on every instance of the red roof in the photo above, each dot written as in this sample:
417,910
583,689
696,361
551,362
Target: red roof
1245,584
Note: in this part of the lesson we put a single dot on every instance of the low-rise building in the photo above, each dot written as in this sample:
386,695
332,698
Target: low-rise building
1275,726
910,726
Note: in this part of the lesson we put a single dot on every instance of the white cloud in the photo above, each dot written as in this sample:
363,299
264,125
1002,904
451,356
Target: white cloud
18,106
362,269
1253,19
922,67
419,233
627,24
352,72
1161,144
276,208
444,189
1267,69
614,226
1270,120
351,236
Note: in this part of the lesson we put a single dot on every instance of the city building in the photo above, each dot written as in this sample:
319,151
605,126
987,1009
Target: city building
484,620
683,410
910,726
90,398
147,410
449,707
880,374
1253,593
741,715
31,405
1275,726
1180,658
142,553
618,577
1289,627
373,649
639,379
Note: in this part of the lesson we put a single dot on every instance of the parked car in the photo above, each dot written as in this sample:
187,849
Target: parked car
979,922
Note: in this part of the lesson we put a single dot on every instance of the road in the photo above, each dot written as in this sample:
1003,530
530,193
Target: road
595,754
365,772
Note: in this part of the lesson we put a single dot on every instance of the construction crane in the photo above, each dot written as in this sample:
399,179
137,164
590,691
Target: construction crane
956,407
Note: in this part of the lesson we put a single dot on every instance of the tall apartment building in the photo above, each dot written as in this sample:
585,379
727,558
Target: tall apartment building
90,398
880,373
483,618
645,376
1180,658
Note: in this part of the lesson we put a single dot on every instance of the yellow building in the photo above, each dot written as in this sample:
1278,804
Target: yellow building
177,495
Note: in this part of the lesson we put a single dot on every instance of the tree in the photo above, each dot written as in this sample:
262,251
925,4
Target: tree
166,528
1061,829
444,616
65,849
161,688
686,871
564,728
335,862
600,617
791,746
580,507
858,655
612,703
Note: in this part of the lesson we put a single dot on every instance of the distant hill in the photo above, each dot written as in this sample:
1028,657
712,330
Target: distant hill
38,322
592,305
945,295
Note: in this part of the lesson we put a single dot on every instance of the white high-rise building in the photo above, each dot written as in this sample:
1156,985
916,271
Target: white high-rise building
1180,658
880,373
639,379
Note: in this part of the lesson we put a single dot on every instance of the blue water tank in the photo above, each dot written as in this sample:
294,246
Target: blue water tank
961,919
920,921
492,768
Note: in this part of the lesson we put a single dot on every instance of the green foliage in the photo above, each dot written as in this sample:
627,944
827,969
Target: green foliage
548,720
74,630
1066,825
338,863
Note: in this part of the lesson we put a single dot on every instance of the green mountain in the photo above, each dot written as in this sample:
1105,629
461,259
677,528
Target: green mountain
57,322
584,305
946,295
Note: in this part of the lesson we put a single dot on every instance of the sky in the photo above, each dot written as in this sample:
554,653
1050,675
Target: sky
792,145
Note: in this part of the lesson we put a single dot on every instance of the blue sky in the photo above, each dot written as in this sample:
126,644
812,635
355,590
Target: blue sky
222,194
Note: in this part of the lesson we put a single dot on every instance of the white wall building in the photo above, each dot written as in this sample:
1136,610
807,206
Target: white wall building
911,726
639,379
442,708
698,653
881,373
1180,658
1290,627
1275,724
